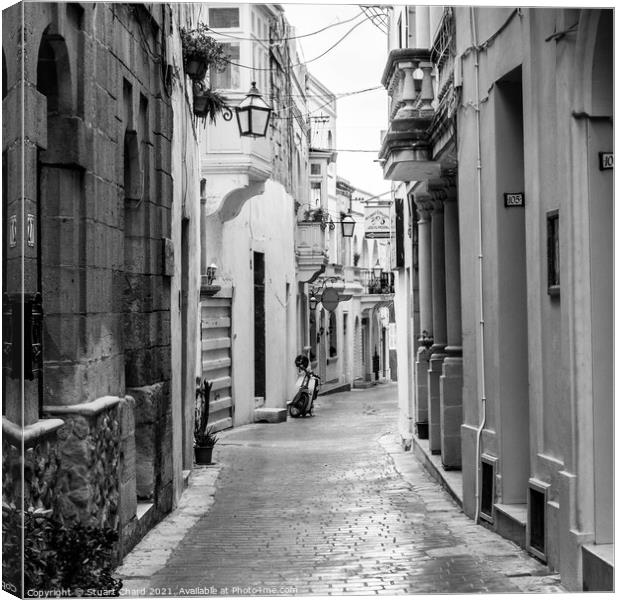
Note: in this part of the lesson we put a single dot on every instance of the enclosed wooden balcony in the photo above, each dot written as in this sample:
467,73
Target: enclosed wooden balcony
310,249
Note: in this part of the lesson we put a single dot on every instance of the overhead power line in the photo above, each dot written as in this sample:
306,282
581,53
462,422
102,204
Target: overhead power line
283,39
378,16
304,63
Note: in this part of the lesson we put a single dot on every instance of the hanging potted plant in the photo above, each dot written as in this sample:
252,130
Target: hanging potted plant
201,51
204,438
208,104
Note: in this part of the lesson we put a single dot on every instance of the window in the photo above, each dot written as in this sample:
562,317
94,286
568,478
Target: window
315,193
553,253
223,18
229,78
315,169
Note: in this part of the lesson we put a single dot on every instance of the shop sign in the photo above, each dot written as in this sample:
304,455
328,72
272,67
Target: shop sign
514,199
330,299
377,222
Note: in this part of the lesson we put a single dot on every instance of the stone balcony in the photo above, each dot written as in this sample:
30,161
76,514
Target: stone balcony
310,250
406,149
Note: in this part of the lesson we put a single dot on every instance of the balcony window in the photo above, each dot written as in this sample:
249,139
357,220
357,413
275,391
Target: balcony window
223,18
315,168
229,78
315,194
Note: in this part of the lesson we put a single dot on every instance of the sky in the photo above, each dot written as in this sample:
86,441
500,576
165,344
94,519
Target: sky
356,63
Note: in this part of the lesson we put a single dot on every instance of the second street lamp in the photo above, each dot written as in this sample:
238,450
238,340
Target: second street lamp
377,270
253,114
313,301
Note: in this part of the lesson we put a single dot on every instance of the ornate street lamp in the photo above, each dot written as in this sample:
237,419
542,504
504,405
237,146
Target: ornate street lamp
348,225
313,301
377,270
253,114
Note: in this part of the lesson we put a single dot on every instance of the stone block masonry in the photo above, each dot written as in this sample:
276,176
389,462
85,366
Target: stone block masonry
98,127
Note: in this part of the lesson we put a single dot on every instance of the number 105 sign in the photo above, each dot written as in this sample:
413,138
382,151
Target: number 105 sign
514,199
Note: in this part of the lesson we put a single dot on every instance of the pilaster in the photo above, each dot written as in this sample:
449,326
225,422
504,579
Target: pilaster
425,339
451,379
439,320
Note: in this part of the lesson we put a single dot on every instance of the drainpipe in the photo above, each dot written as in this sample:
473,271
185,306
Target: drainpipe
483,399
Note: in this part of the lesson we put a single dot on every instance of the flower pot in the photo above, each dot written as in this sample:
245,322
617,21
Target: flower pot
203,454
200,105
196,69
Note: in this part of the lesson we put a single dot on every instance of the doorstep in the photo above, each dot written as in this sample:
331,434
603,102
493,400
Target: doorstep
362,384
451,480
511,522
598,567
334,388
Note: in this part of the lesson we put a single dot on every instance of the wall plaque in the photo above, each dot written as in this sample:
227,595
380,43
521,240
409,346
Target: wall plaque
514,199
605,160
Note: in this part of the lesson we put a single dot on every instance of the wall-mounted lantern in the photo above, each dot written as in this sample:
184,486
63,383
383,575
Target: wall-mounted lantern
313,301
253,114
348,226
377,270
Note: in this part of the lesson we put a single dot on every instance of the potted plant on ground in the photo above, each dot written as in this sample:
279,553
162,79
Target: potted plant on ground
201,51
204,438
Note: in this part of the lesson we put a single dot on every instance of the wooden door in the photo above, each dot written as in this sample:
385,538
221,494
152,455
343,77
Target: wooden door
216,359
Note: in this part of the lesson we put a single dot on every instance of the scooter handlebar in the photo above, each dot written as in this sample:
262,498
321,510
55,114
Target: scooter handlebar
312,373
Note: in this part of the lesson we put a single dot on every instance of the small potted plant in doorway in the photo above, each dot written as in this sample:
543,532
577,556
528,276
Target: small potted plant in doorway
204,438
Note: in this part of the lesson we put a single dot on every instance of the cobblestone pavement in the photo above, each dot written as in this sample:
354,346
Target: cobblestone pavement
317,506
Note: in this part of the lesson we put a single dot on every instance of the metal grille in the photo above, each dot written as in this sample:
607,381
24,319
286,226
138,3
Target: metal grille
487,492
536,520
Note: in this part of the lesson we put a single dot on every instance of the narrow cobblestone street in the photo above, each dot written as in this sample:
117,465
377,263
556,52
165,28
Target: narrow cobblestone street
318,506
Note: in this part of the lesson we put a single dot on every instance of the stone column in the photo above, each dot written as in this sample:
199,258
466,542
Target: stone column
425,338
439,322
451,381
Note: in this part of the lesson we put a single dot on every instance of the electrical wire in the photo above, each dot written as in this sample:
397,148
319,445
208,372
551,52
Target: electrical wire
307,115
284,39
302,64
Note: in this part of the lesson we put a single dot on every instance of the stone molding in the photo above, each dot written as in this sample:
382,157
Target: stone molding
86,409
30,434
424,202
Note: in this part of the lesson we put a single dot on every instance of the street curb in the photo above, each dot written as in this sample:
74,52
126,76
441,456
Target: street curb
152,552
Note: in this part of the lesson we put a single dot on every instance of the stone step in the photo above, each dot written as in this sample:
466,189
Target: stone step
269,415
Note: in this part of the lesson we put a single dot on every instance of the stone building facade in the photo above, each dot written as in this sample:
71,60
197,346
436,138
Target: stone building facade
500,146
248,203
88,196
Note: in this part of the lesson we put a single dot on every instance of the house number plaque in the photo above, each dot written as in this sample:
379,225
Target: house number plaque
514,199
605,160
